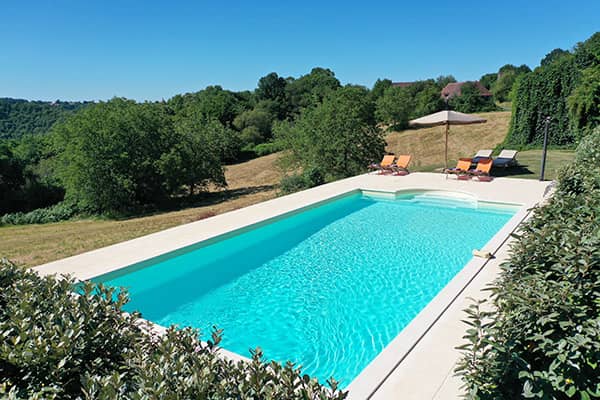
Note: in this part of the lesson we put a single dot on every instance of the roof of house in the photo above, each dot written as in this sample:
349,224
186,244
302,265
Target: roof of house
454,89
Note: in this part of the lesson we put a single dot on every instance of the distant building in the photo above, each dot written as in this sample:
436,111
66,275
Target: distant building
402,84
454,89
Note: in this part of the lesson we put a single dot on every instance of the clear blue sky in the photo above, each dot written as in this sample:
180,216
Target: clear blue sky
148,50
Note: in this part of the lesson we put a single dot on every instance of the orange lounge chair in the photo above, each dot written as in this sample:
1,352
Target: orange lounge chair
400,167
384,165
482,170
462,168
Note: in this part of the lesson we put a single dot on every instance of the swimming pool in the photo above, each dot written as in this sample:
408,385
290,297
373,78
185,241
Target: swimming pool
328,287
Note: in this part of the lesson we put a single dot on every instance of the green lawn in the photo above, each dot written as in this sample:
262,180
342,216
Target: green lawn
529,165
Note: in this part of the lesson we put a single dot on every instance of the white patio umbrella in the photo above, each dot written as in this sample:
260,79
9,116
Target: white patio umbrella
447,118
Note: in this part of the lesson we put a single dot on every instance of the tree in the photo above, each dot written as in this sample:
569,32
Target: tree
109,152
507,76
12,179
488,80
254,125
394,108
337,138
310,89
471,100
442,80
379,88
194,160
427,100
212,102
587,53
271,87
553,56
584,101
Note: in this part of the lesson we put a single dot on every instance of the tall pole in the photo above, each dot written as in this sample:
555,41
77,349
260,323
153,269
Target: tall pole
545,149
446,154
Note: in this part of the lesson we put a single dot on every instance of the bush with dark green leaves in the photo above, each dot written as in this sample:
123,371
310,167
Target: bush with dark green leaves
310,177
58,212
58,345
540,336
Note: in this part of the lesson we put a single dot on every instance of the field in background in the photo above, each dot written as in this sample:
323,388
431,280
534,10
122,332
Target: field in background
255,181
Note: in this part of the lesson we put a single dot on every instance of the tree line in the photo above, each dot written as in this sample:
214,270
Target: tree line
122,156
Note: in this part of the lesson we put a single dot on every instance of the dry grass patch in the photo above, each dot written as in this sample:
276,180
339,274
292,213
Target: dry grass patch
250,182
427,144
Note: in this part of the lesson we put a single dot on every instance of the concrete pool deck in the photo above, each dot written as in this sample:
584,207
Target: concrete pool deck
418,363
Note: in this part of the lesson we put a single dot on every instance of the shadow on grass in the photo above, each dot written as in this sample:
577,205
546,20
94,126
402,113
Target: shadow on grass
511,171
201,199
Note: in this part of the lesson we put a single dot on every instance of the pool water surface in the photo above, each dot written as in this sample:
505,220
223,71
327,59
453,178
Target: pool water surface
327,288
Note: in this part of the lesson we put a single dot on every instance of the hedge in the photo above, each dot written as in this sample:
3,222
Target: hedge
57,345
539,334
542,93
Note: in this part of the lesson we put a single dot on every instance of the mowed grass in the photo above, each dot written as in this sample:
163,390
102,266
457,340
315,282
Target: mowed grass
29,245
255,181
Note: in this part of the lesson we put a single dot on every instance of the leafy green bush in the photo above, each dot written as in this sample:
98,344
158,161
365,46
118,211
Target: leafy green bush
541,337
58,212
267,148
57,345
311,177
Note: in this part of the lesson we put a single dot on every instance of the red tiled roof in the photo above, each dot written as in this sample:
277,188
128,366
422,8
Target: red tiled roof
454,89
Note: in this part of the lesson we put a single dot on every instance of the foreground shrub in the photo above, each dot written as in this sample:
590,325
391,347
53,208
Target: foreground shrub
541,337
56,345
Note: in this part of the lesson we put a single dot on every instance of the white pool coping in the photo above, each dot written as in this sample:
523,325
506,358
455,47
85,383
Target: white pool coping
525,193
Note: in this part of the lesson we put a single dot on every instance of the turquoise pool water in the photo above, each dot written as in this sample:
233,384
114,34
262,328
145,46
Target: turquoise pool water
327,288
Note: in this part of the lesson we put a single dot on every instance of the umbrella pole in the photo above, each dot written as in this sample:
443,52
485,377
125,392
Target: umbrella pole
446,153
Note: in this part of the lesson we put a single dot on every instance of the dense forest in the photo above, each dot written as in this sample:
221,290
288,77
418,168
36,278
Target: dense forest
21,117
123,157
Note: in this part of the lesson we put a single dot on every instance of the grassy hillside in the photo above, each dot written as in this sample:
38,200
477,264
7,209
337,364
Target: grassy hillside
255,181
249,182
427,144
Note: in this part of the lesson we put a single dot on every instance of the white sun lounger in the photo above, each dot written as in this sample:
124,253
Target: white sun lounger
506,158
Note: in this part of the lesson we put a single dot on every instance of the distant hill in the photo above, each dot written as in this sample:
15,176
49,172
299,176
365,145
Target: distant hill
20,117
